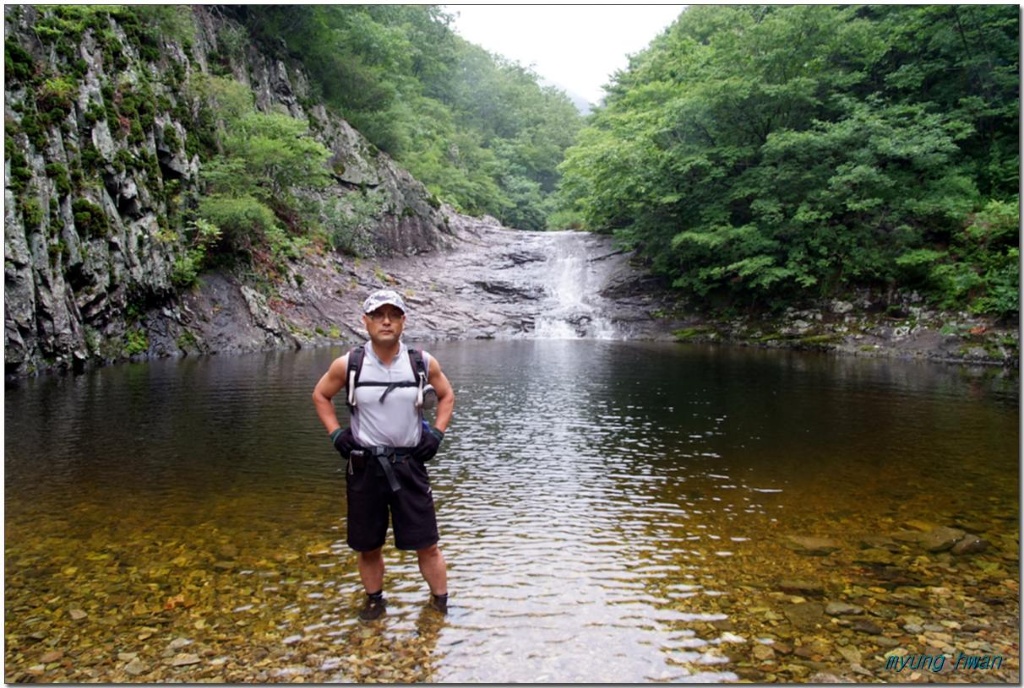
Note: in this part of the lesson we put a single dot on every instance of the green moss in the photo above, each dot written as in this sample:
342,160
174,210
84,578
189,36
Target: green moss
21,173
18,63
135,342
90,220
124,160
92,159
56,96
58,250
187,341
59,173
94,113
34,130
171,139
32,213
691,333
821,340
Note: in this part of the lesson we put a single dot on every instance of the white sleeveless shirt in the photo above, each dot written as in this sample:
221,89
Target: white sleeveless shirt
395,422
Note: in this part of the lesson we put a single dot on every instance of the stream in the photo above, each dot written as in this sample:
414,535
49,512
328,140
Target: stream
611,511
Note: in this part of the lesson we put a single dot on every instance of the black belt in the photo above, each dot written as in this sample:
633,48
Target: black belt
386,456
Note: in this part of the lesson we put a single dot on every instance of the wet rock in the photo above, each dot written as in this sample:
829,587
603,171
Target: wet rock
136,667
908,536
875,556
866,626
813,546
970,544
805,616
804,588
813,649
184,659
941,539
826,677
52,656
850,653
882,542
843,609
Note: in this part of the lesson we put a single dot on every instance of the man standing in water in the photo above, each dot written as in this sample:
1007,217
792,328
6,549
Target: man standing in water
386,447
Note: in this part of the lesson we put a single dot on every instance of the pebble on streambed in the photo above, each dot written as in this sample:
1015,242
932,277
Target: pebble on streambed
836,616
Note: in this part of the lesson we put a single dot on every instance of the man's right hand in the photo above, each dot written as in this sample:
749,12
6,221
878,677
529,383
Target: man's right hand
344,441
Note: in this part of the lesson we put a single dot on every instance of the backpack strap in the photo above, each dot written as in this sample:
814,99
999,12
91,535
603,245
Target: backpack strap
355,367
419,367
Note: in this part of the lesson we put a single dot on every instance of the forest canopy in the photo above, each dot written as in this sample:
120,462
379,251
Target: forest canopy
765,154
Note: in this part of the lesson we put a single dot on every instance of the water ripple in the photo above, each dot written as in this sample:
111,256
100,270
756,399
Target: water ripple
600,504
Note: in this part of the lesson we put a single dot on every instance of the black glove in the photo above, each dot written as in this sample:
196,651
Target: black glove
430,441
344,441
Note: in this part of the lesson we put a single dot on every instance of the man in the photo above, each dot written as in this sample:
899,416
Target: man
386,447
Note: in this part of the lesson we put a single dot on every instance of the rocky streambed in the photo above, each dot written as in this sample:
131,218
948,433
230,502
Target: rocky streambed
915,603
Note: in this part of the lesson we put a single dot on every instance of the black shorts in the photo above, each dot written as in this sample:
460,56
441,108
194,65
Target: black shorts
370,501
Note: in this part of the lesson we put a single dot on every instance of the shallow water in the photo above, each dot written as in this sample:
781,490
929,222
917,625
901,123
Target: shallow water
606,509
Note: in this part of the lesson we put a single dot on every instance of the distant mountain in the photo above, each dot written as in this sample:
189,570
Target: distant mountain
581,103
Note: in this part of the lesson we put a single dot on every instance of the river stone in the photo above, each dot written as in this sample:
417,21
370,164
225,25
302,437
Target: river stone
184,660
970,544
806,616
843,609
52,656
813,546
135,667
850,653
802,587
912,536
866,626
825,677
941,539
884,542
875,556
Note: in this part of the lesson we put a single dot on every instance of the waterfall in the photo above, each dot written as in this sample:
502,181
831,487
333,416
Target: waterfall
571,279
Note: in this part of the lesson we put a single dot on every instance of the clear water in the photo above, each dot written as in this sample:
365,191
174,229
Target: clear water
604,506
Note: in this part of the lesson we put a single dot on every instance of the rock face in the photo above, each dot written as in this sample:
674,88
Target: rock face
90,254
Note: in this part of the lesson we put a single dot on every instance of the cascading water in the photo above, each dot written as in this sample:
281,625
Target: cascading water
571,280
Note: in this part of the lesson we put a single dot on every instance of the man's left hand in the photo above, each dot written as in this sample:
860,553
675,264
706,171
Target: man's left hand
430,442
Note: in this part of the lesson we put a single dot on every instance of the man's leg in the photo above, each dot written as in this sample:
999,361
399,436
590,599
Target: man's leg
433,568
371,570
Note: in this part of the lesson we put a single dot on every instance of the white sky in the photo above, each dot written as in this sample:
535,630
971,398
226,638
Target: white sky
576,47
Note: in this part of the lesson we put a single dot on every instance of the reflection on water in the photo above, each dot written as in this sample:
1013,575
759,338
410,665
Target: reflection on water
603,506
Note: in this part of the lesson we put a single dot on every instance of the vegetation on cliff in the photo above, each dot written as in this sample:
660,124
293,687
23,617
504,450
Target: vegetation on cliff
477,129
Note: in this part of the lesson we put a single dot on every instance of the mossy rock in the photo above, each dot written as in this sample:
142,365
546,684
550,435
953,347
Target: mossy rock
699,333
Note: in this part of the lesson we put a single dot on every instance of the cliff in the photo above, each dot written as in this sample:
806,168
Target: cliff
100,160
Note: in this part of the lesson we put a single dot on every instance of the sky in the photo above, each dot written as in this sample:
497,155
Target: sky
575,47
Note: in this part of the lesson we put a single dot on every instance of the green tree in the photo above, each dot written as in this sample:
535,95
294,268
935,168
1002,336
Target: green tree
256,185
769,154
477,129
